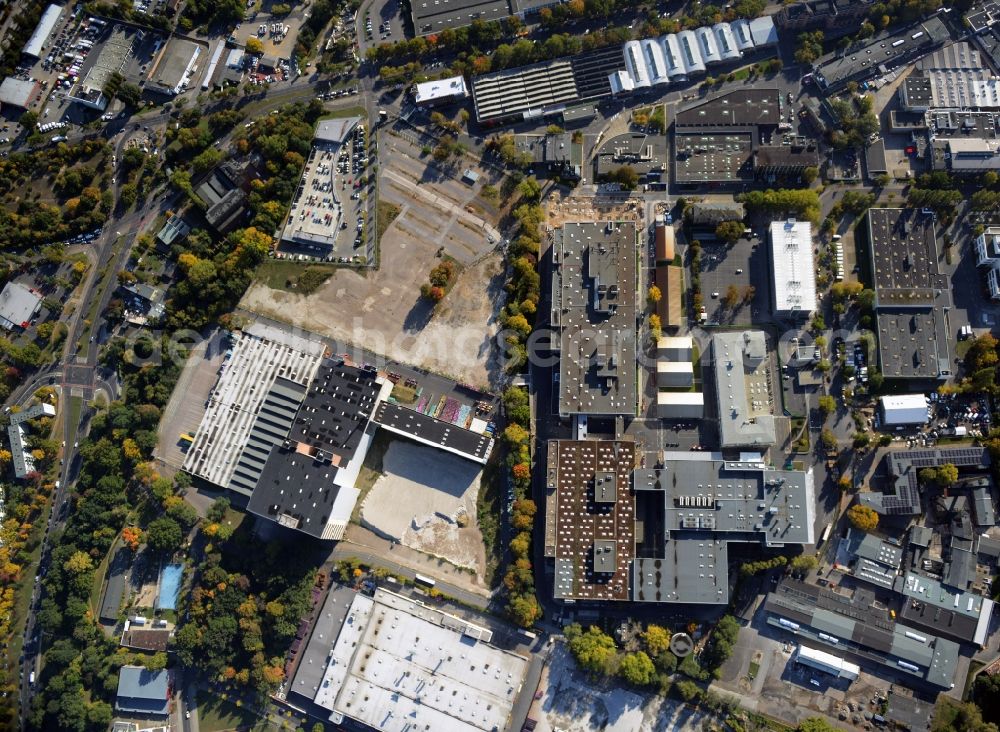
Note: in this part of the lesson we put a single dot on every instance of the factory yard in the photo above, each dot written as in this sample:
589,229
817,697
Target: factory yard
569,703
423,498
383,310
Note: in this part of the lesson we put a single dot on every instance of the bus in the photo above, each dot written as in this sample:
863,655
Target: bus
185,437
826,533
419,579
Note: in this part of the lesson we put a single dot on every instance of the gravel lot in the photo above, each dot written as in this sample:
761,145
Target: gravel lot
418,499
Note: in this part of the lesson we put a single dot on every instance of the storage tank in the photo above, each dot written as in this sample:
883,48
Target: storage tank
690,55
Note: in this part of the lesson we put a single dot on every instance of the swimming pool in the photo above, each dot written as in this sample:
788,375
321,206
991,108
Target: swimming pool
170,586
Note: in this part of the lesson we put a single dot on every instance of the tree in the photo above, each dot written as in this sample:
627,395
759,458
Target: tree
827,439
863,518
730,231
28,121
254,45
947,474
653,294
593,649
804,563
625,176
657,639
687,690
815,724
79,563
827,404
732,297
637,669
810,174
164,535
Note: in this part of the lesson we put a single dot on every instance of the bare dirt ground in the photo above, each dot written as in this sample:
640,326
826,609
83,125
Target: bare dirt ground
384,312
419,500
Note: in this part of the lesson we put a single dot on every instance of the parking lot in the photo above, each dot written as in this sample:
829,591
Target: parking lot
331,202
438,215
743,265
277,33
385,21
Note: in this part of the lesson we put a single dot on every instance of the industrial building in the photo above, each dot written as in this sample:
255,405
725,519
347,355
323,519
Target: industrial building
680,405
689,510
394,664
836,18
312,223
224,198
912,298
717,140
18,93
855,624
879,55
272,431
434,16
792,269
174,71
18,305
869,559
440,92
20,451
39,40
963,142
743,384
553,87
552,155
903,409
988,257
143,692
594,310
645,154
827,663
289,428
953,77
945,611
116,51
903,468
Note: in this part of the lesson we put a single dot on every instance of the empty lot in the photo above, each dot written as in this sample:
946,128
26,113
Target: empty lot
383,310
419,499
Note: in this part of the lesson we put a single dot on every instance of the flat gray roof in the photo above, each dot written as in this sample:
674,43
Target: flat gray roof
881,54
912,296
434,16
313,658
594,308
141,691
744,388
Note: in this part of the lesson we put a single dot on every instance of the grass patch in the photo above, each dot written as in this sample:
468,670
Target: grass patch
385,214
217,715
98,583
303,279
75,410
371,470
404,394
345,112
488,512
108,277
962,348
974,666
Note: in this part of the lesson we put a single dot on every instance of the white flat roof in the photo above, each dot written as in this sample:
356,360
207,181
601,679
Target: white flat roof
399,665
17,305
794,272
448,88
904,409
43,30
686,398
